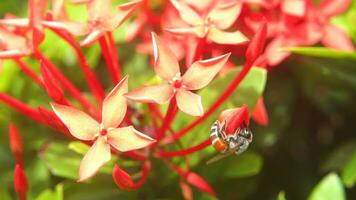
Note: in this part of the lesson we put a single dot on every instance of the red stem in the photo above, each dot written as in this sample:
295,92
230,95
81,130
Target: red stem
114,54
67,84
114,72
22,196
183,152
29,72
22,108
228,91
199,50
90,77
167,120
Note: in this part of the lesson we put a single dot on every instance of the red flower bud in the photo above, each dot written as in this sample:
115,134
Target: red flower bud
194,180
122,178
15,140
257,43
20,180
52,87
235,118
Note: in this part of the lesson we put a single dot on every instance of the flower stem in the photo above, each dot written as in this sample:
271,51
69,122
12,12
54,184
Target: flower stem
228,91
90,77
183,152
29,72
109,60
167,120
67,84
22,108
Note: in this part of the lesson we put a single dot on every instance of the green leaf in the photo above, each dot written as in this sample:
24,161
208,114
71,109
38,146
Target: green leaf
61,161
7,73
330,188
64,162
348,174
4,195
340,157
78,147
244,165
322,52
57,194
281,196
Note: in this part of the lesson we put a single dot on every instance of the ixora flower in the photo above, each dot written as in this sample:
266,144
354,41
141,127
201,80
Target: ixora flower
235,118
101,20
213,25
105,134
166,66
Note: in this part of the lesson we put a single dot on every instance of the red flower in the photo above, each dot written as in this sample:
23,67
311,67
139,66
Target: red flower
105,134
101,20
166,67
235,118
213,25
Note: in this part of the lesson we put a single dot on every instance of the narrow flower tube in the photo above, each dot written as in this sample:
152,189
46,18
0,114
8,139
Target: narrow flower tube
16,144
29,72
21,107
184,152
89,75
20,182
194,179
53,89
67,84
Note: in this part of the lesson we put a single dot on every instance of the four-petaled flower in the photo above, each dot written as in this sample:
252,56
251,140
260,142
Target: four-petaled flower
105,134
213,25
101,20
166,66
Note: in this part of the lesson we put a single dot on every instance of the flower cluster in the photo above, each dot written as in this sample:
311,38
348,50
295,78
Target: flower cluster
192,42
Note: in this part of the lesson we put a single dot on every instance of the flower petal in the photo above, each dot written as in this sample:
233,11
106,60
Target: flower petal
222,37
331,8
202,72
115,105
294,7
335,37
235,118
127,139
260,114
189,103
79,124
75,28
166,64
160,94
91,38
125,10
224,14
94,159
18,22
187,13
257,43
99,9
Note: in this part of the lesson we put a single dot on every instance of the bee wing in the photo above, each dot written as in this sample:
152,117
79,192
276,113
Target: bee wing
218,157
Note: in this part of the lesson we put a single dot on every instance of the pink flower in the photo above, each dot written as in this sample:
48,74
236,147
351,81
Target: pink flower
179,87
105,134
214,24
101,20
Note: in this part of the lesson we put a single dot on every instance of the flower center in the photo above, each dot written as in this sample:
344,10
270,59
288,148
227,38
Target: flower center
177,84
103,132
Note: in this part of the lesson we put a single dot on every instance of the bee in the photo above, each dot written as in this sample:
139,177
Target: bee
228,144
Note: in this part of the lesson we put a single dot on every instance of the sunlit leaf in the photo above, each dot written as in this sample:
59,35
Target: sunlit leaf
330,187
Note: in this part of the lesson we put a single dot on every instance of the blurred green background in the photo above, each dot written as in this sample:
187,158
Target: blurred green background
307,152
